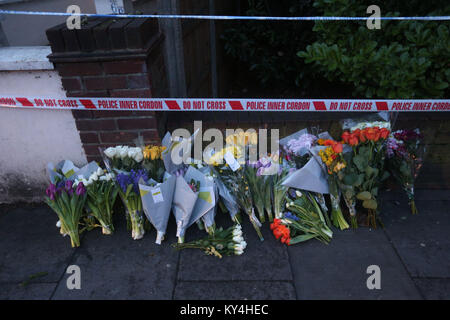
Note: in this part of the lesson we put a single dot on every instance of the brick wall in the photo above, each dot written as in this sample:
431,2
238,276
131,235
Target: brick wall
111,58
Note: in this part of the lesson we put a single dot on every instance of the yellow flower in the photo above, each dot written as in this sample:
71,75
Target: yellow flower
152,152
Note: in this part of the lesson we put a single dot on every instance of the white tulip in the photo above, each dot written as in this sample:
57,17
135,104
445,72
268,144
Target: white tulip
123,152
100,171
138,157
58,224
298,193
110,152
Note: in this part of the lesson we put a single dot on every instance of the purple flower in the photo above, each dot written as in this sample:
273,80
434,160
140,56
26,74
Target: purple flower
68,187
292,193
81,190
305,141
60,187
51,190
260,171
124,180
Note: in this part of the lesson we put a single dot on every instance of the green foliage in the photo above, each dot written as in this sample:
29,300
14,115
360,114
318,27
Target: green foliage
403,59
268,49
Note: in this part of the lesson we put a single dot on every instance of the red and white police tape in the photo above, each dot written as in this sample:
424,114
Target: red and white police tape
168,104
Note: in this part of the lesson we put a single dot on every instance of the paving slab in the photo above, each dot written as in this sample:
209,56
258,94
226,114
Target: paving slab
421,240
339,270
262,260
236,290
32,291
30,244
118,267
434,289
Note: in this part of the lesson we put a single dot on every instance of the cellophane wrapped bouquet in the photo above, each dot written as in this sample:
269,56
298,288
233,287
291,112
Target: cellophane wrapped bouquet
333,159
405,153
233,174
129,192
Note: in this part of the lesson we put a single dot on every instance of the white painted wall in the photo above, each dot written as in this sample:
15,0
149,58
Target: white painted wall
29,139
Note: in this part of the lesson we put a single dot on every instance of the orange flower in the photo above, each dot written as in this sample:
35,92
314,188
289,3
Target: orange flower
337,147
353,139
370,133
329,142
384,133
361,135
346,136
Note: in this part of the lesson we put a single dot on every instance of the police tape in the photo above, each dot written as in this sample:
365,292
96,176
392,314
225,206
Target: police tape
192,104
224,17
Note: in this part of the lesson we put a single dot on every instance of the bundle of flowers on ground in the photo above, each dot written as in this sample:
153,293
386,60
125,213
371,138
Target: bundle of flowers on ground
233,176
303,220
130,195
405,158
157,192
67,199
334,162
102,193
224,242
366,166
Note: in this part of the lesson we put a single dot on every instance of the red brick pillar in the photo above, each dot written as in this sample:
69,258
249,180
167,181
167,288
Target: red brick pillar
111,58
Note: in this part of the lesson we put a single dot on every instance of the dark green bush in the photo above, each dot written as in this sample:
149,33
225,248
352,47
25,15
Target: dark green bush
268,49
404,59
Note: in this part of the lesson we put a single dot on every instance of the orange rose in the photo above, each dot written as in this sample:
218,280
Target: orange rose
370,133
329,142
353,139
346,136
384,133
337,147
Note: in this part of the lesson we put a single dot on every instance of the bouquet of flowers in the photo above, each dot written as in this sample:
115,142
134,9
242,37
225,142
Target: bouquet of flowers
297,146
184,199
153,162
129,192
233,176
302,222
123,158
67,199
206,205
367,166
157,201
405,158
332,158
224,242
279,191
258,186
102,193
